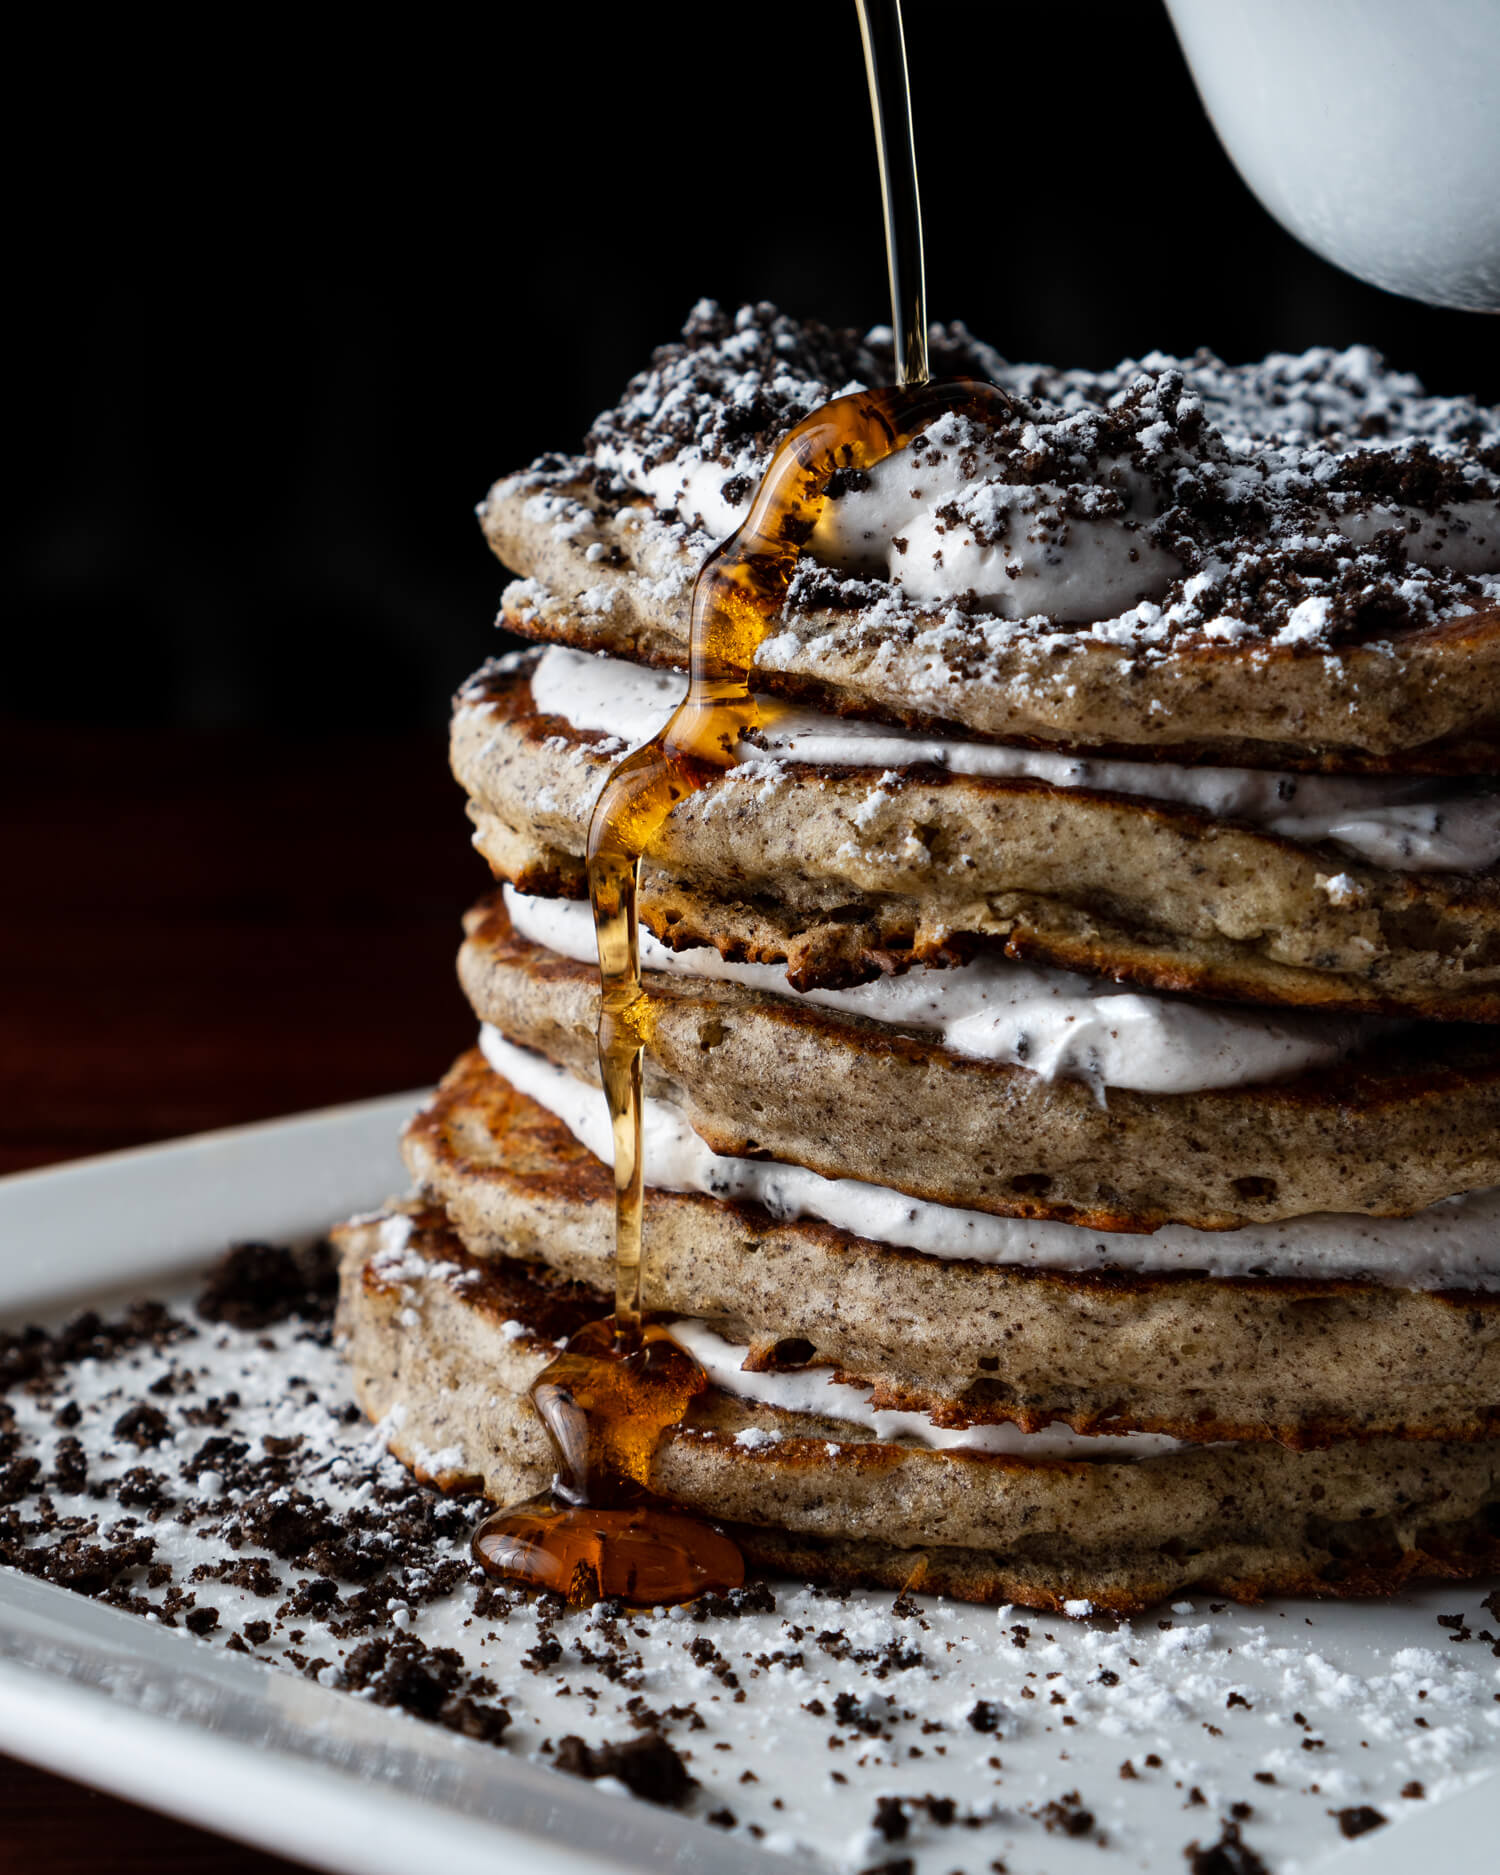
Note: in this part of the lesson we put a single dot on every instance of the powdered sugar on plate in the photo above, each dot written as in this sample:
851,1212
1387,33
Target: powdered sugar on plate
214,1475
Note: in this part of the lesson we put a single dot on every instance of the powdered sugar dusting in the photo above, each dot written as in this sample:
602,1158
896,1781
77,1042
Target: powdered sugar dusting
1301,501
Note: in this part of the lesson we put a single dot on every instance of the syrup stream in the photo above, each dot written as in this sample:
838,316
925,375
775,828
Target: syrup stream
617,1387
895,145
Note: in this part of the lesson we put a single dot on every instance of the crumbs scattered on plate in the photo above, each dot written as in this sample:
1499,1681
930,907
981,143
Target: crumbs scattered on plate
200,1462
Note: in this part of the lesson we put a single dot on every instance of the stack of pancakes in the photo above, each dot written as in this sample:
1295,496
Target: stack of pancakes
1073,1085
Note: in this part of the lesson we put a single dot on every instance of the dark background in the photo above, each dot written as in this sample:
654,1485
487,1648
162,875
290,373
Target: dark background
290,305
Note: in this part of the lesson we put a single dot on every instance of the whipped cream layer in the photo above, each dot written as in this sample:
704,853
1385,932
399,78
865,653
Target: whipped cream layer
1055,1023
940,520
813,1390
1404,823
943,520
1451,1245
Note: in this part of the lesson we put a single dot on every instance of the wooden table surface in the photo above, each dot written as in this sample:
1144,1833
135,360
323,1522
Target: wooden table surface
202,930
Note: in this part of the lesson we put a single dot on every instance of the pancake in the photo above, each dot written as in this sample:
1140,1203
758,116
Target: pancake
1287,563
1424,705
842,873
764,1076
443,1349
1302,1362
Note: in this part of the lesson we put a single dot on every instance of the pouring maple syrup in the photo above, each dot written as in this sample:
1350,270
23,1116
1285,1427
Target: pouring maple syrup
619,1386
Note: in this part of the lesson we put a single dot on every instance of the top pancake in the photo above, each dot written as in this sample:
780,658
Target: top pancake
1425,704
1335,659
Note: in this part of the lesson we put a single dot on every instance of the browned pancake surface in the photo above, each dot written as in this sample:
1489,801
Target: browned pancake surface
1423,701
843,873
443,1350
1299,1361
1385,1133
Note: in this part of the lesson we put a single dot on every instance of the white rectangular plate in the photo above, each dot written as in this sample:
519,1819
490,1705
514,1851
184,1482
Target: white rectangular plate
312,1773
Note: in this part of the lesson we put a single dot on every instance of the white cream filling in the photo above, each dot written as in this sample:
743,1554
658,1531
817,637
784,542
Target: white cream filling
1464,536
1454,1244
944,521
1053,1022
1407,824
686,483
812,1390
937,532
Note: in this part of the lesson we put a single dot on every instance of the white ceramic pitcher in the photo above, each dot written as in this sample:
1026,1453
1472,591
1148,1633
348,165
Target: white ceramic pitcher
1369,128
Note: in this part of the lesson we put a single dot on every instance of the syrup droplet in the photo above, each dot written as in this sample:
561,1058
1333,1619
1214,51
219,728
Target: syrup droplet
617,1388
606,1401
645,1557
